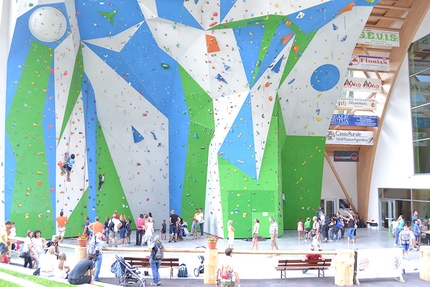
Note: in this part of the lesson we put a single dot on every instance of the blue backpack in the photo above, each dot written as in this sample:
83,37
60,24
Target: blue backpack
183,271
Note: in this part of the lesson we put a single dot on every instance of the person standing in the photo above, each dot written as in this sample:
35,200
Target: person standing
77,275
87,223
230,233
39,244
201,221
173,218
96,227
400,225
3,238
154,262
316,232
61,226
96,245
28,247
273,231
140,227
255,234
122,229
227,264
307,228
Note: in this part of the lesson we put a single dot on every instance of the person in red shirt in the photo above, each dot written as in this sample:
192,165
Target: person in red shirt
312,256
115,215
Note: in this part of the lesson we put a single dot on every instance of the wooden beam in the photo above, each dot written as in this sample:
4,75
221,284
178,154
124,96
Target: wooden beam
383,17
339,180
374,27
389,7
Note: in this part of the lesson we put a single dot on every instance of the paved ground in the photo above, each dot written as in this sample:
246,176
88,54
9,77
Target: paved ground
258,269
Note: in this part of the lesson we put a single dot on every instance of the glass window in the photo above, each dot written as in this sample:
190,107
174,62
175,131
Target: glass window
419,77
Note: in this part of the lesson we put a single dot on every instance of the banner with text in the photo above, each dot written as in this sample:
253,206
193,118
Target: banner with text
422,88
349,137
356,104
354,120
364,62
343,155
380,38
362,85
421,66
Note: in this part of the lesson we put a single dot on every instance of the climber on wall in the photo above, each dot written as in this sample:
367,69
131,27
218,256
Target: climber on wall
67,167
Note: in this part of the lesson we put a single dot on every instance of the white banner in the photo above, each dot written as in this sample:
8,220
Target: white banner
349,137
380,263
363,62
421,88
356,104
362,85
379,38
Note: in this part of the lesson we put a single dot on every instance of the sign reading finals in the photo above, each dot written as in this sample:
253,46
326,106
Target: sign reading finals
349,137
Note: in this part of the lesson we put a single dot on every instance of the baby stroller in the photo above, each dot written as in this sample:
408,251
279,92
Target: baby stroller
126,273
201,269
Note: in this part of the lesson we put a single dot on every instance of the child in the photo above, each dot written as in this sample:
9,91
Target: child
194,228
163,230
308,227
67,167
128,229
300,229
405,239
230,233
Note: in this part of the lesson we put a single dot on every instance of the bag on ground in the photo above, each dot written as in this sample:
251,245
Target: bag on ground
183,271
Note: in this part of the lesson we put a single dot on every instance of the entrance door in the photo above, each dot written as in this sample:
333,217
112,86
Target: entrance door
387,209
330,206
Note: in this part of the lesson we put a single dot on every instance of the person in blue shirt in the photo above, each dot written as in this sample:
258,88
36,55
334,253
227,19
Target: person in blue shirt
67,167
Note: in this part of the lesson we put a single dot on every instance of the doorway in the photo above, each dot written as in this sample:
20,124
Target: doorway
387,209
330,206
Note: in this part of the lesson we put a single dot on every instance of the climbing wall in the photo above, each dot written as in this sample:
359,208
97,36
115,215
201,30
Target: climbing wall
222,105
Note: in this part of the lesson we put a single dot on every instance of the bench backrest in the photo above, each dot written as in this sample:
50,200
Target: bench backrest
298,262
143,261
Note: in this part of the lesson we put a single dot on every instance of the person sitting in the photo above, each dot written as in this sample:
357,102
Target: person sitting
77,275
311,256
53,242
48,262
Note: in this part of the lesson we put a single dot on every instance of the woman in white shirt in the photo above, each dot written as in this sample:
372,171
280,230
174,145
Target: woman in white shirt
149,229
28,247
47,263
39,244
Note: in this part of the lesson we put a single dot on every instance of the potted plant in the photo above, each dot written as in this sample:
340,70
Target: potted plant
212,240
82,240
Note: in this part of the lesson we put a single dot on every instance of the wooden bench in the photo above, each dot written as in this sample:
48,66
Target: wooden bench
144,262
297,264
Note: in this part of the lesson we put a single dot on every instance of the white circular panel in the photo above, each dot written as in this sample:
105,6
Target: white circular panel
47,24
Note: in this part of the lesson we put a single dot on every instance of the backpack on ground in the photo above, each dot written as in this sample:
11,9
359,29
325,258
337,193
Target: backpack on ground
226,273
158,252
183,271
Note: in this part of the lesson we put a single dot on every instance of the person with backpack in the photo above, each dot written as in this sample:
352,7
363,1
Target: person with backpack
156,248
95,247
227,275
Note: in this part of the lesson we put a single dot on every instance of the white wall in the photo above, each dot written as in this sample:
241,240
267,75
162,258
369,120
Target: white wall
394,156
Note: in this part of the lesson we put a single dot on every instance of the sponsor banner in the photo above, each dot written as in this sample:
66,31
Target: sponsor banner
354,120
362,85
379,38
349,156
421,123
356,104
380,263
424,43
422,88
419,139
364,62
416,67
349,137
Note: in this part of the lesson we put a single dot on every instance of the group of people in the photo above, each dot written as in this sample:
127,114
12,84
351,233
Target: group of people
323,228
408,236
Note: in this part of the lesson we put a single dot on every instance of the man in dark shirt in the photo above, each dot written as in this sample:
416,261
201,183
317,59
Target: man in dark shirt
77,275
172,220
